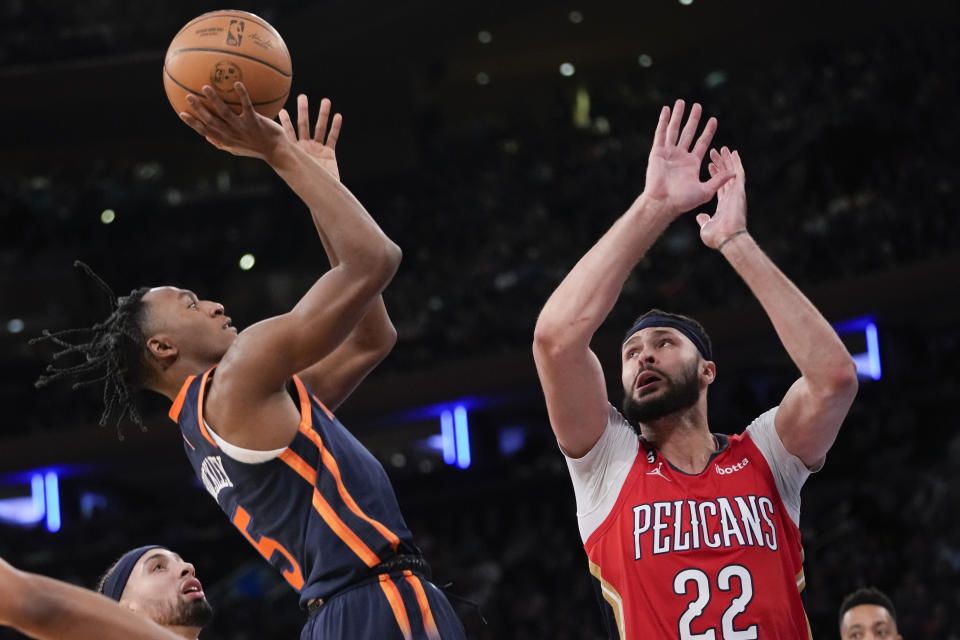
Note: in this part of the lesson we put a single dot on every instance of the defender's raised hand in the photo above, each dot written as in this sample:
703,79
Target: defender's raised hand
673,170
730,218
322,144
245,134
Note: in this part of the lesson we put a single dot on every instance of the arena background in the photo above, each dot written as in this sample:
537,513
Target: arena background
494,172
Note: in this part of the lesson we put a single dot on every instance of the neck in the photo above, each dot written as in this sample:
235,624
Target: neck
190,633
172,378
683,438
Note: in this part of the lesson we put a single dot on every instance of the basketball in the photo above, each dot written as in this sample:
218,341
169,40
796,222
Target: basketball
221,48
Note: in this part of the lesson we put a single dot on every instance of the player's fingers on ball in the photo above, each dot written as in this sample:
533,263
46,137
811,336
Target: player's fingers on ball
335,131
706,137
321,127
200,109
193,123
245,101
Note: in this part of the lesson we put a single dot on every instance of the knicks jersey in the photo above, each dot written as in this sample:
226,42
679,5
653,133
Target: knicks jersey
322,511
708,556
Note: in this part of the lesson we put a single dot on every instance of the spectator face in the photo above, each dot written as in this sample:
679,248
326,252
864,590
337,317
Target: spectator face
868,622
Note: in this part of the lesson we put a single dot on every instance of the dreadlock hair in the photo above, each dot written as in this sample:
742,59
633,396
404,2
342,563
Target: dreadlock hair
115,350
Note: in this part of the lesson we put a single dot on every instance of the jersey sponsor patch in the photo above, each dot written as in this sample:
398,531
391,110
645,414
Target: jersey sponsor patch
214,476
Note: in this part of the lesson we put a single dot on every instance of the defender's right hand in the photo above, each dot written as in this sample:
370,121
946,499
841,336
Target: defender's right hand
673,170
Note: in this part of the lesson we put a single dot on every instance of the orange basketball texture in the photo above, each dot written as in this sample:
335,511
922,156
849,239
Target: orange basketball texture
221,47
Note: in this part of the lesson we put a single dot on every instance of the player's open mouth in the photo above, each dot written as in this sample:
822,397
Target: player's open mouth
646,379
228,325
193,588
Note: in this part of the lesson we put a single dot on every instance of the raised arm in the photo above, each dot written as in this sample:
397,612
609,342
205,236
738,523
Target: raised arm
814,407
249,383
335,376
48,609
569,371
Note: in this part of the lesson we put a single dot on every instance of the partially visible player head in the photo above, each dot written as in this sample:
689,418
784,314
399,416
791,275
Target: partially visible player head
157,584
666,366
148,333
867,614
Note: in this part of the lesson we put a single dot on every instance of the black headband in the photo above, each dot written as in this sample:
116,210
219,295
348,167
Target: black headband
117,580
687,328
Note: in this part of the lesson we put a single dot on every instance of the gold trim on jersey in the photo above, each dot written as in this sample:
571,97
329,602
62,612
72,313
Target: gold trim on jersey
611,596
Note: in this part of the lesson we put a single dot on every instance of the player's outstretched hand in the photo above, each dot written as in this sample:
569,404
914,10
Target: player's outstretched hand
245,134
321,145
731,214
673,170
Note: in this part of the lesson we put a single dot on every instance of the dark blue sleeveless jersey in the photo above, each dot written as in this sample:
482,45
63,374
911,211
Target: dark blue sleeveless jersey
323,512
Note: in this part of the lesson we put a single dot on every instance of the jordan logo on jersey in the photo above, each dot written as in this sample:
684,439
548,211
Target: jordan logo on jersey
684,525
214,476
659,472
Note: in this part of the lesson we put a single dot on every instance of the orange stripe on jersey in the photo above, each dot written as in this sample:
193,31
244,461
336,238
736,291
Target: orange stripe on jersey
429,625
306,428
177,405
299,465
203,426
343,532
323,406
396,603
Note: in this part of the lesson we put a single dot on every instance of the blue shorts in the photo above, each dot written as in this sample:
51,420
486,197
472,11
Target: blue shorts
398,606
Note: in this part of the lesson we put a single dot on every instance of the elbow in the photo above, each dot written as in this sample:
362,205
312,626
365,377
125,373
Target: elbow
550,341
842,381
388,261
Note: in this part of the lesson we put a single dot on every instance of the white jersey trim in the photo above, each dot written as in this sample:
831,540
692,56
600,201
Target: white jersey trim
249,456
599,475
789,471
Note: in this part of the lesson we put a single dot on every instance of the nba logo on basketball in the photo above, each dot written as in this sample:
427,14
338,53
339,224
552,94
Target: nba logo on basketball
234,33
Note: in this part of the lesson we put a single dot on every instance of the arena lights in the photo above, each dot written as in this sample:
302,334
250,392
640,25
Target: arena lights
575,17
484,37
455,436
42,505
247,261
867,362
15,325
107,216
645,60
567,69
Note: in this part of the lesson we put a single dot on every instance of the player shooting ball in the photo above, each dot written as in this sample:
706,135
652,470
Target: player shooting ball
255,408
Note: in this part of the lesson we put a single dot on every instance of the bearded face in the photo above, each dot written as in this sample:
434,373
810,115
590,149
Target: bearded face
659,394
193,613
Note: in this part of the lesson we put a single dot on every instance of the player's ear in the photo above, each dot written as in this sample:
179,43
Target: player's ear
162,349
708,371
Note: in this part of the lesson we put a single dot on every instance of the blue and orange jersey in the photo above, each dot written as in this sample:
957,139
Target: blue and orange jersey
322,512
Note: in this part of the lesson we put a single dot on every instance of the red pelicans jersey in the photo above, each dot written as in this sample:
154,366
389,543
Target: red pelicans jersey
708,556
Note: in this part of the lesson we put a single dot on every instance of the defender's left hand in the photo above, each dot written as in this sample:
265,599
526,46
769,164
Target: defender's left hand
731,214
321,145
